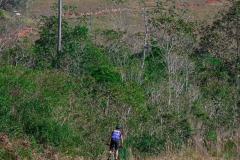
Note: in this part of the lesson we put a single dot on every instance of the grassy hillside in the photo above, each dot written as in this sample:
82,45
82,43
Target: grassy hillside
172,82
40,7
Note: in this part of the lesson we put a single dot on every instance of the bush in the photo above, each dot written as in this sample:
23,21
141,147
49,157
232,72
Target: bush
28,108
106,74
148,144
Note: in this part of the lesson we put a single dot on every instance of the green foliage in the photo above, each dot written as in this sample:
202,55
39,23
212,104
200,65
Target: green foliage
21,53
198,112
211,135
78,55
111,34
156,63
2,17
114,46
105,74
71,99
220,40
6,155
73,40
92,59
36,122
149,143
27,111
65,8
179,129
25,153
177,141
230,150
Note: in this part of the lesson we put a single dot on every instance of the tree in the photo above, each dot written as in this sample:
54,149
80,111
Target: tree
216,59
219,64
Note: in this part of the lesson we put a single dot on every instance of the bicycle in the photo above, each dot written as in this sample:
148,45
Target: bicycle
112,155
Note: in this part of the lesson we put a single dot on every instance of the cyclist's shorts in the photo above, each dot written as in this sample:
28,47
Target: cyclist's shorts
114,143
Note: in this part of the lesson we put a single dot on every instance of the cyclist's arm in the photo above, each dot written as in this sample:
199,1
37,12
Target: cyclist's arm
109,139
122,139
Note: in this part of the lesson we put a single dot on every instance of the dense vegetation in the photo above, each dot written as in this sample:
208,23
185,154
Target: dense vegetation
182,86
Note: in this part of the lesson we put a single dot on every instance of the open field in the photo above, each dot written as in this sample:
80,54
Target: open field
198,9
40,7
104,16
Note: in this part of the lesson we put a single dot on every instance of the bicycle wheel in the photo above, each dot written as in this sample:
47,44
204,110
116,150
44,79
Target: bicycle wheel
112,155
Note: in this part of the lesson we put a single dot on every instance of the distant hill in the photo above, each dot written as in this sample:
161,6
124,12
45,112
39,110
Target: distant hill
201,7
103,11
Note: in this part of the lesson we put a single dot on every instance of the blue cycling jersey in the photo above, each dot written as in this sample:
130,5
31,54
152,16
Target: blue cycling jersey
116,134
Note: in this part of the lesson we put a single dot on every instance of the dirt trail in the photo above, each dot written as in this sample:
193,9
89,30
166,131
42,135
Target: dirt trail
105,11
19,33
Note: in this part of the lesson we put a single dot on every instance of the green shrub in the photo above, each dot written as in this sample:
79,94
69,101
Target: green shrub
148,144
6,155
29,108
106,74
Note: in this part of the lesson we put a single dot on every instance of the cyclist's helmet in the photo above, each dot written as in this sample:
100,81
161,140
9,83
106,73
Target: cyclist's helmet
118,127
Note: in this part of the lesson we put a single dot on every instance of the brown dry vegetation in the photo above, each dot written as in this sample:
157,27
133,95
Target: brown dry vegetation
12,146
105,14
199,9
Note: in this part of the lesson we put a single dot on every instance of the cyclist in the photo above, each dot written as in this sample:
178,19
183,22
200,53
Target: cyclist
114,140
